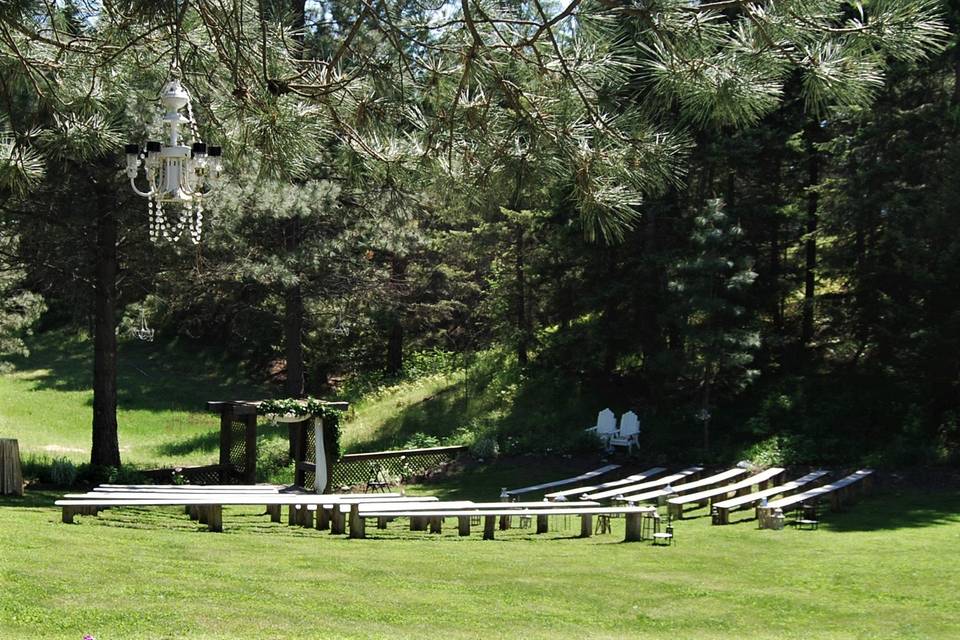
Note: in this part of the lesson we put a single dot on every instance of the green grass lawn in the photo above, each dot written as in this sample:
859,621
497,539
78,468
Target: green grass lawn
884,569
46,401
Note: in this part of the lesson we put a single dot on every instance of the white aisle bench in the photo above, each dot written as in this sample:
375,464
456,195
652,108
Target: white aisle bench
724,507
759,480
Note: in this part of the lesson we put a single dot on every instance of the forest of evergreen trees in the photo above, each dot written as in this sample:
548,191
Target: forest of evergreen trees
738,218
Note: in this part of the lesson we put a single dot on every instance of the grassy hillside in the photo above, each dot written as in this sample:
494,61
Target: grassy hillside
46,401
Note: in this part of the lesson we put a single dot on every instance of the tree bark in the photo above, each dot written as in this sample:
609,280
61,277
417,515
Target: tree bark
523,322
810,244
293,341
398,273
106,446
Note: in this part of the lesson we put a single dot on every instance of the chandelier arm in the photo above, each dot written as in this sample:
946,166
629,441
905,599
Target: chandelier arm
142,194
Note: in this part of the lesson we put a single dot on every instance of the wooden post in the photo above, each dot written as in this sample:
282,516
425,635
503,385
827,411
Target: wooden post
250,448
436,524
382,522
194,512
337,521
274,511
488,526
67,515
292,514
214,517
418,523
306,517
504,522
586,525
542,524
203,514
676,511
11,475
634,527
357,525
323,518
463,525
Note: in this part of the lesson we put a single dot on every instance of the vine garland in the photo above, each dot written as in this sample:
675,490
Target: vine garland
306,407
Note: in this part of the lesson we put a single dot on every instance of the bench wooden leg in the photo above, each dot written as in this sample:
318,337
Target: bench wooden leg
382,522
323,518
306,517
337,521
203,514
542,524
676,511
274,511
67,515
186,510
292,514
634,532
214,517
504,523
463,525
358,527
418,523
488,526
586,525
723,516
436,524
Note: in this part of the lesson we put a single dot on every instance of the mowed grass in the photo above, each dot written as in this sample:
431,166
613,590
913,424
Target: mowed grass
884,569
46,402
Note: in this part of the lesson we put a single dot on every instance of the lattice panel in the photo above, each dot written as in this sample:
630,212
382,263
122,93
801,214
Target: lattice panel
310,454
238,447
359,472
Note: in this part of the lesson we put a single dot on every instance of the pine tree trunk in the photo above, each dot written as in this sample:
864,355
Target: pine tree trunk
810,244
523,338
293,341
398,273
106,446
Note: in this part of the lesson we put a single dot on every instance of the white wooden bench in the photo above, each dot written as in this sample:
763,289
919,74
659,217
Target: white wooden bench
629,480
760,480
633,516
208,507
685,475
559,483
724,507
672,490
839,492
419,523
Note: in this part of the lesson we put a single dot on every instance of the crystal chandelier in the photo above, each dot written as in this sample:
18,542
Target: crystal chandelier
182,172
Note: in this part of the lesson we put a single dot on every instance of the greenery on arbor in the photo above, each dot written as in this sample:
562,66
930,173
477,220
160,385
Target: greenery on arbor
542,177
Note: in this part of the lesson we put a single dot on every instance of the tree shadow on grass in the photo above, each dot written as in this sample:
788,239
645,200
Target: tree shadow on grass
209,441
175,375
900,510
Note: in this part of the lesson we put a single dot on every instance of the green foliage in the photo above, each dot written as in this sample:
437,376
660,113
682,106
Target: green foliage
63,473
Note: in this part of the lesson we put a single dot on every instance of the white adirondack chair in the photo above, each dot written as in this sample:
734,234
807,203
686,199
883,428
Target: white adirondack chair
629,434
606,426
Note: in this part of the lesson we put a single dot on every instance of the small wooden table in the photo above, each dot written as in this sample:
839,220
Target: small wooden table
11,476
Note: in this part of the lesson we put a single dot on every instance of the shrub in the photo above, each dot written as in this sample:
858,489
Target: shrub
485,448
273,460
63,473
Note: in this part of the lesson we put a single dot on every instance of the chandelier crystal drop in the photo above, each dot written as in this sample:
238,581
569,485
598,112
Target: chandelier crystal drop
182,172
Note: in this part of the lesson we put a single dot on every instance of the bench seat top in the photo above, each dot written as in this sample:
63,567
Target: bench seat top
683,488
822,490
454,513
757,496
559,483
278,499
112,488
466,504
635,478
763,476
633,488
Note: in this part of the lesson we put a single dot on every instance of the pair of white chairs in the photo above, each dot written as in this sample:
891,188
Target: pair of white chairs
628,435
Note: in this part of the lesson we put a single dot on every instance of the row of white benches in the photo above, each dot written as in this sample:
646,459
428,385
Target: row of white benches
332,510
677,490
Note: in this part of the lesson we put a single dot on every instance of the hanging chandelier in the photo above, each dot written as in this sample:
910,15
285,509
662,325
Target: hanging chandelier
180,173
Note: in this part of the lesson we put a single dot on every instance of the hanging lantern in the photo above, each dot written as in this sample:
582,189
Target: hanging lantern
181,172
143,331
